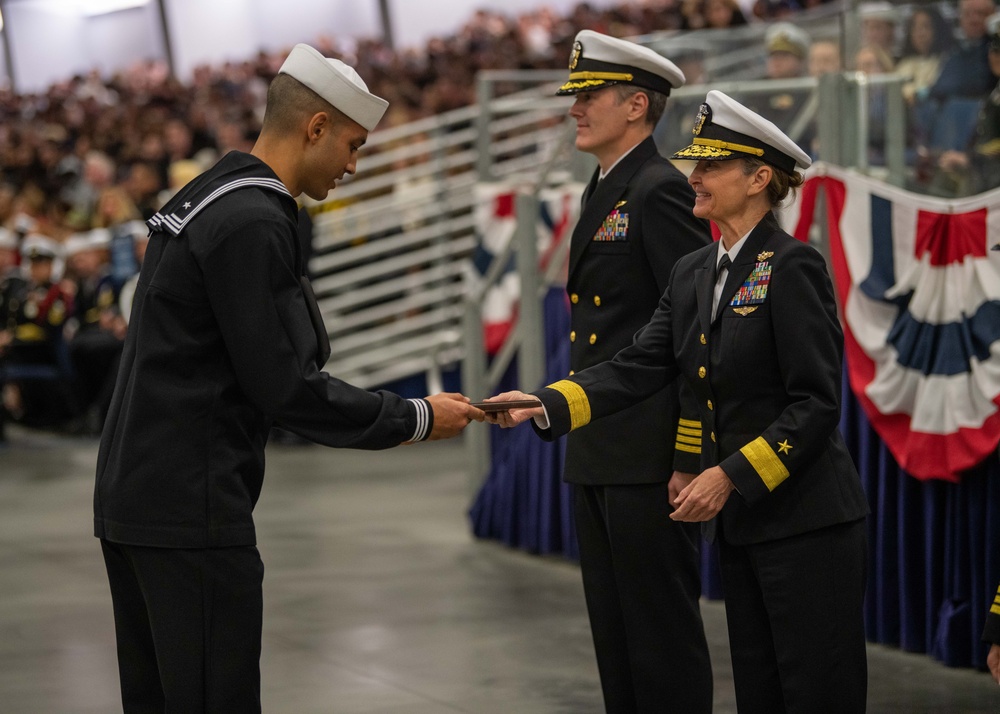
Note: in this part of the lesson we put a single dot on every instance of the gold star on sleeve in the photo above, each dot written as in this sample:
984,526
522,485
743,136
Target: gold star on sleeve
784,447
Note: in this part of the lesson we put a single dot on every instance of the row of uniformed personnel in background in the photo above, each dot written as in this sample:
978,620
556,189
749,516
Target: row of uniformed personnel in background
63,313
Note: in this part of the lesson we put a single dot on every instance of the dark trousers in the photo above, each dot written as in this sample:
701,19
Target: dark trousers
642,584
796,629
188,626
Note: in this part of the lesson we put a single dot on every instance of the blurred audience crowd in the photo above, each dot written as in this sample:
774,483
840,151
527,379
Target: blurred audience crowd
83,164
947,56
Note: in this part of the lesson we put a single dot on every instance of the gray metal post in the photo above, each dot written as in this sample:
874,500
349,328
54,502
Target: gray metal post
167,42
385,14
828,126
484,98
531,358
850,34
474,384
862,131
850,97
8,54
895,141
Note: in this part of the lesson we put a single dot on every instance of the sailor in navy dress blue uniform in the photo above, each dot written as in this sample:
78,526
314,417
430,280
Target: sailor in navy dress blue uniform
224,341
778,488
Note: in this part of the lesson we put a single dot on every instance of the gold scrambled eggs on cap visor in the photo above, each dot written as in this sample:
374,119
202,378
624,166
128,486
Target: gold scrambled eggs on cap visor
716,149
586,81
702,151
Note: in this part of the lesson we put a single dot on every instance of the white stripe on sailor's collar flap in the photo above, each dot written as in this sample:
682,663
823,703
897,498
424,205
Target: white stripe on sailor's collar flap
174,224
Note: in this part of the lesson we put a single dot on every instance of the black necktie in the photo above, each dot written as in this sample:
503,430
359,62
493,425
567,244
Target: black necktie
591,187
716,290
723,265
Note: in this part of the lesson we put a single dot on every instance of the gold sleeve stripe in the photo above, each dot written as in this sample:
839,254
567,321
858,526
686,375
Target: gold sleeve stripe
765,462
995,609
688,436
576,398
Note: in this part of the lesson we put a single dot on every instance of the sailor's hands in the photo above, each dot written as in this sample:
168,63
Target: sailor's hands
452,413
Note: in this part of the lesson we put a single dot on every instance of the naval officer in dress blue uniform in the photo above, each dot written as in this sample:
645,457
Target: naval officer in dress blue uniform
639,568
224,340
751,325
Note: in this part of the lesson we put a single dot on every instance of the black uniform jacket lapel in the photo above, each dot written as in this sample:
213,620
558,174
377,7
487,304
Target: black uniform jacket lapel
704,285
604,198
739,271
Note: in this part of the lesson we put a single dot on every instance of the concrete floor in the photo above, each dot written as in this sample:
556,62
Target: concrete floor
376,598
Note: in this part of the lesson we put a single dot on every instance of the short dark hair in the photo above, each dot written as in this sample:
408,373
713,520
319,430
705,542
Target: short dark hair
657,100
782,183
289,102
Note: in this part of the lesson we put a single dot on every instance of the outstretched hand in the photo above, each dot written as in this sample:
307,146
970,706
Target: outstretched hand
513,417
452,413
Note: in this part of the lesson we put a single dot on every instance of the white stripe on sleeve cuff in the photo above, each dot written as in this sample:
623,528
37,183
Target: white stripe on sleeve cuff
423,419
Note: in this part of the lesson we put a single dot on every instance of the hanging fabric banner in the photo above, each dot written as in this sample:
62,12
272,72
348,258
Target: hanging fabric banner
495,222
918,280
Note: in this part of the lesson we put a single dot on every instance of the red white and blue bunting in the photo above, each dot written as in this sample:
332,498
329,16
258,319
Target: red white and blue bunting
495,223
918,281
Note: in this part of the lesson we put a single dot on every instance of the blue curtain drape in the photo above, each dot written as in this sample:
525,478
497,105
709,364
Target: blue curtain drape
934,549
934,546
524,502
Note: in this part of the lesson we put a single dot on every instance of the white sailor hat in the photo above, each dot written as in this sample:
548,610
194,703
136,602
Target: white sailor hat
786,37
337,83
7,239
883,11
96,239
99,238
37,246
136,229
600,61
725,129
